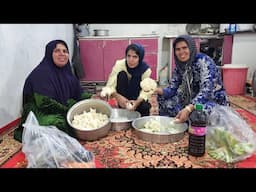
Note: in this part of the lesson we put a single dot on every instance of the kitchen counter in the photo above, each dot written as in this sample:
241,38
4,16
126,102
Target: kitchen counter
204,36
120,37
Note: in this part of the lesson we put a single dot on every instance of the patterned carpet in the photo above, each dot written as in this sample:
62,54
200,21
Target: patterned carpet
245,102
8,147
122,149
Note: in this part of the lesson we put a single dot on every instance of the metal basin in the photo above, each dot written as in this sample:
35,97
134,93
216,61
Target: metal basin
122,118
161,136
101,32
85,105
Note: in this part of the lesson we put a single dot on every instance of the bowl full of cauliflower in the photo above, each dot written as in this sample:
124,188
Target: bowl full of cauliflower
90,119
159,129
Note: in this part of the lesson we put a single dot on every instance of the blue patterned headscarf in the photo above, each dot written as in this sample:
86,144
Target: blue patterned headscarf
136,73
185,68
47,79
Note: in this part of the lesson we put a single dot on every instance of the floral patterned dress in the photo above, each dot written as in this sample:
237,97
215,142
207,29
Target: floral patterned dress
207,88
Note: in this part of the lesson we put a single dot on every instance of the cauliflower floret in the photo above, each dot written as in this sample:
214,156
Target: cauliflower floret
89,120
129,106
148,86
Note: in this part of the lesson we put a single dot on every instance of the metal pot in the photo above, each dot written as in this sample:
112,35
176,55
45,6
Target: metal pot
161,136
101,32
85,105
121,119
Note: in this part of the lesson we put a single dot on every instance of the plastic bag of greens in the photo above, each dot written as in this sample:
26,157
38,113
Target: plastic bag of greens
229,138
49,147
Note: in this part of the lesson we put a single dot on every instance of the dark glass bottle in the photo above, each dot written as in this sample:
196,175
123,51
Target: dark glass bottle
197,131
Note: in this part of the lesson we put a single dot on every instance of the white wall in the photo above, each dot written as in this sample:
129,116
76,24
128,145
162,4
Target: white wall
244,51
22,47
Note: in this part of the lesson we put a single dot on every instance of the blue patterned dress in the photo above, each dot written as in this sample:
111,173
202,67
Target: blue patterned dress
206,87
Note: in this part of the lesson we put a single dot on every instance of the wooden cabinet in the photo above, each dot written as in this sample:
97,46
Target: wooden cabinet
99,55
227,49
151,53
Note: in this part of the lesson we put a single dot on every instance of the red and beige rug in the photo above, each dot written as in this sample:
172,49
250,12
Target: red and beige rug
8,147
122,149
245,102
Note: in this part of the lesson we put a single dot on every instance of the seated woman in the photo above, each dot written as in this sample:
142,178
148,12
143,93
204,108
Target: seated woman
125,80
195,79
51,89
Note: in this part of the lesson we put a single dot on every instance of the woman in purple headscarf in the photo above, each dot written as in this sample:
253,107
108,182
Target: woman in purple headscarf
125,79
51,89
195,79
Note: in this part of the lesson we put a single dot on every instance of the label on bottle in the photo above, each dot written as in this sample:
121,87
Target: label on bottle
198,131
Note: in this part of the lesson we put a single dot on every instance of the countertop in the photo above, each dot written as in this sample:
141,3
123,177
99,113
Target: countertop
206,36
121,36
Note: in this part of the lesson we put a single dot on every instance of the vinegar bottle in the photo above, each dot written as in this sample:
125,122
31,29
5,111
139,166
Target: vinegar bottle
197,131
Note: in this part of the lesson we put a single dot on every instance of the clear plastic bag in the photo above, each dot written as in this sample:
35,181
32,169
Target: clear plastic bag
49,147
229,138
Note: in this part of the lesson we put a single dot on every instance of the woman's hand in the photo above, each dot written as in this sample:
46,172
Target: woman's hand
183,115
122,101
159,91
134,104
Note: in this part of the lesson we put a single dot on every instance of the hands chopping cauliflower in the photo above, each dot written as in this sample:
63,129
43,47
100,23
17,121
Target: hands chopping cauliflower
106,92
129,106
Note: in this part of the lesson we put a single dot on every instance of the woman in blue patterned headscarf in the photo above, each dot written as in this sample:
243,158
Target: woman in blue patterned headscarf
195,79
126,76
51,89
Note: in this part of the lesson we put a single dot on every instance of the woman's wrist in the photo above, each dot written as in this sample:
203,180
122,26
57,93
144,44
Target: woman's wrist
189,108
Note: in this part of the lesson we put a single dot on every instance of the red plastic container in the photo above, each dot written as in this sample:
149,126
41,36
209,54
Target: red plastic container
234,79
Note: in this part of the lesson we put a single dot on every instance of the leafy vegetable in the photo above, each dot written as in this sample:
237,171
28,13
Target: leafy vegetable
224,146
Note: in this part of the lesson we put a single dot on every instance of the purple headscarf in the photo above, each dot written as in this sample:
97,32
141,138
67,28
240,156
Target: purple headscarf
49,80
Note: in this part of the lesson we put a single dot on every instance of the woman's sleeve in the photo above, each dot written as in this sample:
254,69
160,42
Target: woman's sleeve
50,112
172,88
207,75
112,79
49,105
46,110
